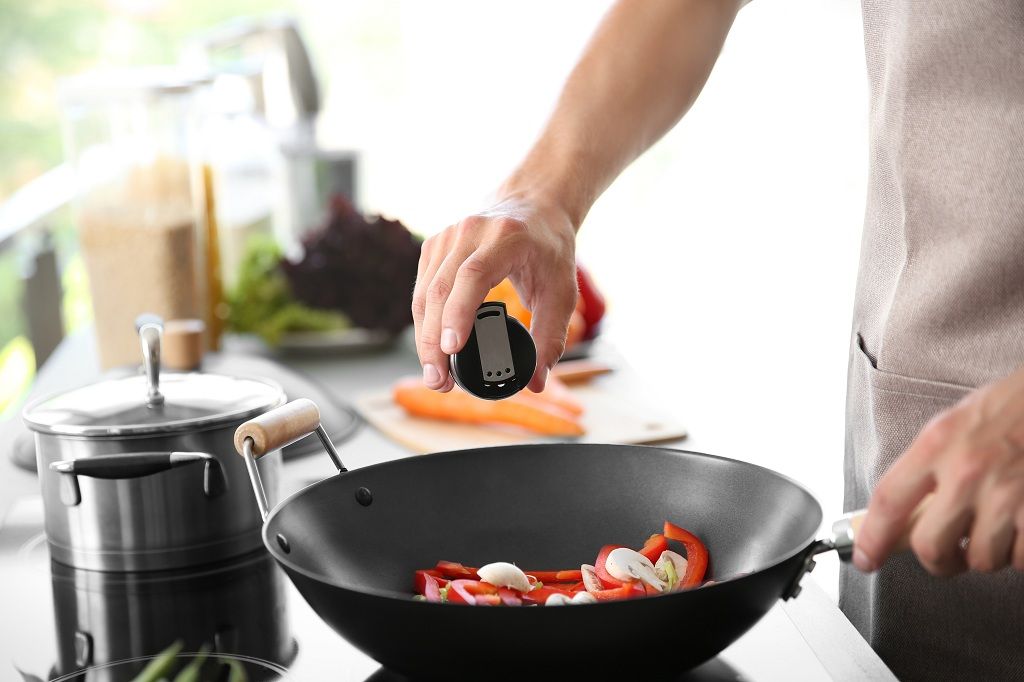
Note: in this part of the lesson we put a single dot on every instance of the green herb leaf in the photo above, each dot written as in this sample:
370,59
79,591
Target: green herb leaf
262,302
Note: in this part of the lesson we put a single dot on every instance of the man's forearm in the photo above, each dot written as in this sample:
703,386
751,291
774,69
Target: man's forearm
640,73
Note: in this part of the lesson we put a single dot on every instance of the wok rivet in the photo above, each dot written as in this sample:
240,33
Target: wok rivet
364,497
282,542
796,592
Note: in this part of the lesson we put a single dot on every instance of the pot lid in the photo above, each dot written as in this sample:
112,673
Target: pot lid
119,407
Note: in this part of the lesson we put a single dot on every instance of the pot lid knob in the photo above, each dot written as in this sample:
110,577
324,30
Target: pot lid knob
499,357
151,328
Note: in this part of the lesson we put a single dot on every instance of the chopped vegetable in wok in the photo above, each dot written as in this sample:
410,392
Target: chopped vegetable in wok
617,573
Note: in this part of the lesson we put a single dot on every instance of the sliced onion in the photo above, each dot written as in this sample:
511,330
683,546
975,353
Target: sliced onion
584,598
678,563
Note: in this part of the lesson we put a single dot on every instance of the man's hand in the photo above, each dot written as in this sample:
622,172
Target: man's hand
532,244
641,71
972,457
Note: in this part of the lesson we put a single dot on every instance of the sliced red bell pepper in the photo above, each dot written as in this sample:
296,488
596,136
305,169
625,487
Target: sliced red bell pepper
624,591
473,592
566,587
578,587
556,576
541,594
458,594
696,554
599,567
655,545
428,585
488,600
478,587
509,597
455,571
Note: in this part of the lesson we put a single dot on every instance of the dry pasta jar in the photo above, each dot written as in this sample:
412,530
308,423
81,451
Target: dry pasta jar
142,202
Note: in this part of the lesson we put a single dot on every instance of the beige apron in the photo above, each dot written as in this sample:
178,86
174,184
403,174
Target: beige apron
940,302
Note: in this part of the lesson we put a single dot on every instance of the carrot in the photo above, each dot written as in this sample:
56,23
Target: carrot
459,406
555,393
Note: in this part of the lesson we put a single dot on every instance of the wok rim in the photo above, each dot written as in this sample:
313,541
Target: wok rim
290,565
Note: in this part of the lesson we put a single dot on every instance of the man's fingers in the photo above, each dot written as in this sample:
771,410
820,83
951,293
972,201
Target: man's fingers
961,472
433,359
431,255
430,259
936,539
991,544
995,529
548,328
1018,550
899,492
481,271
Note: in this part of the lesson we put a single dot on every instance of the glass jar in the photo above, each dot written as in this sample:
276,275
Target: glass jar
144,202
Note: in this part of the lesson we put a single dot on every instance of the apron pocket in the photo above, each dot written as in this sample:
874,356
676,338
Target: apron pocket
890,382
884,413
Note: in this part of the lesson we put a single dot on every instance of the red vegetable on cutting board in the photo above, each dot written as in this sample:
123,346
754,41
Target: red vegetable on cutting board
593,306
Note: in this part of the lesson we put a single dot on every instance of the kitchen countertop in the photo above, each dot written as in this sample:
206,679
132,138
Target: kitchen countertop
807,638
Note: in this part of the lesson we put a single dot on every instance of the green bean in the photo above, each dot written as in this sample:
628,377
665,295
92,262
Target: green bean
190,673
161,666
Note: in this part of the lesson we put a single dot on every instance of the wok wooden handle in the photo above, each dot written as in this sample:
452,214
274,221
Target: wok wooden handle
279,427
856,519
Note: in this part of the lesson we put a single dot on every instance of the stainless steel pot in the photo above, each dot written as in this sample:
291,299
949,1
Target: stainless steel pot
235,607
139,473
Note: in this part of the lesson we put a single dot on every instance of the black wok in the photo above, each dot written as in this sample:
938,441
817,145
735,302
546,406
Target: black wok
350,543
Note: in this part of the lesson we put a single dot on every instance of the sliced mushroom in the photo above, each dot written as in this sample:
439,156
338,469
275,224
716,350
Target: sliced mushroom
626,564
590,579
504,574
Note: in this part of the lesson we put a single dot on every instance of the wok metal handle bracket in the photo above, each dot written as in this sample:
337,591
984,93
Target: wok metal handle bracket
840,540
807,565
135,465
254,471
274,430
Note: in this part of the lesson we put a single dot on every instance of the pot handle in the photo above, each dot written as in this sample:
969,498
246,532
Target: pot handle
151,328
274,430
842,538
134,465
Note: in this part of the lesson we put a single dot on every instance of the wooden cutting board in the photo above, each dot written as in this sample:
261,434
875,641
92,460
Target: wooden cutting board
615,412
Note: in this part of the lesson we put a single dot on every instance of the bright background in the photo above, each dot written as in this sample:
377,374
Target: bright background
728,252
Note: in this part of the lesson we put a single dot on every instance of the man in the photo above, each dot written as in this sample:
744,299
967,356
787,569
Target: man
936,390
